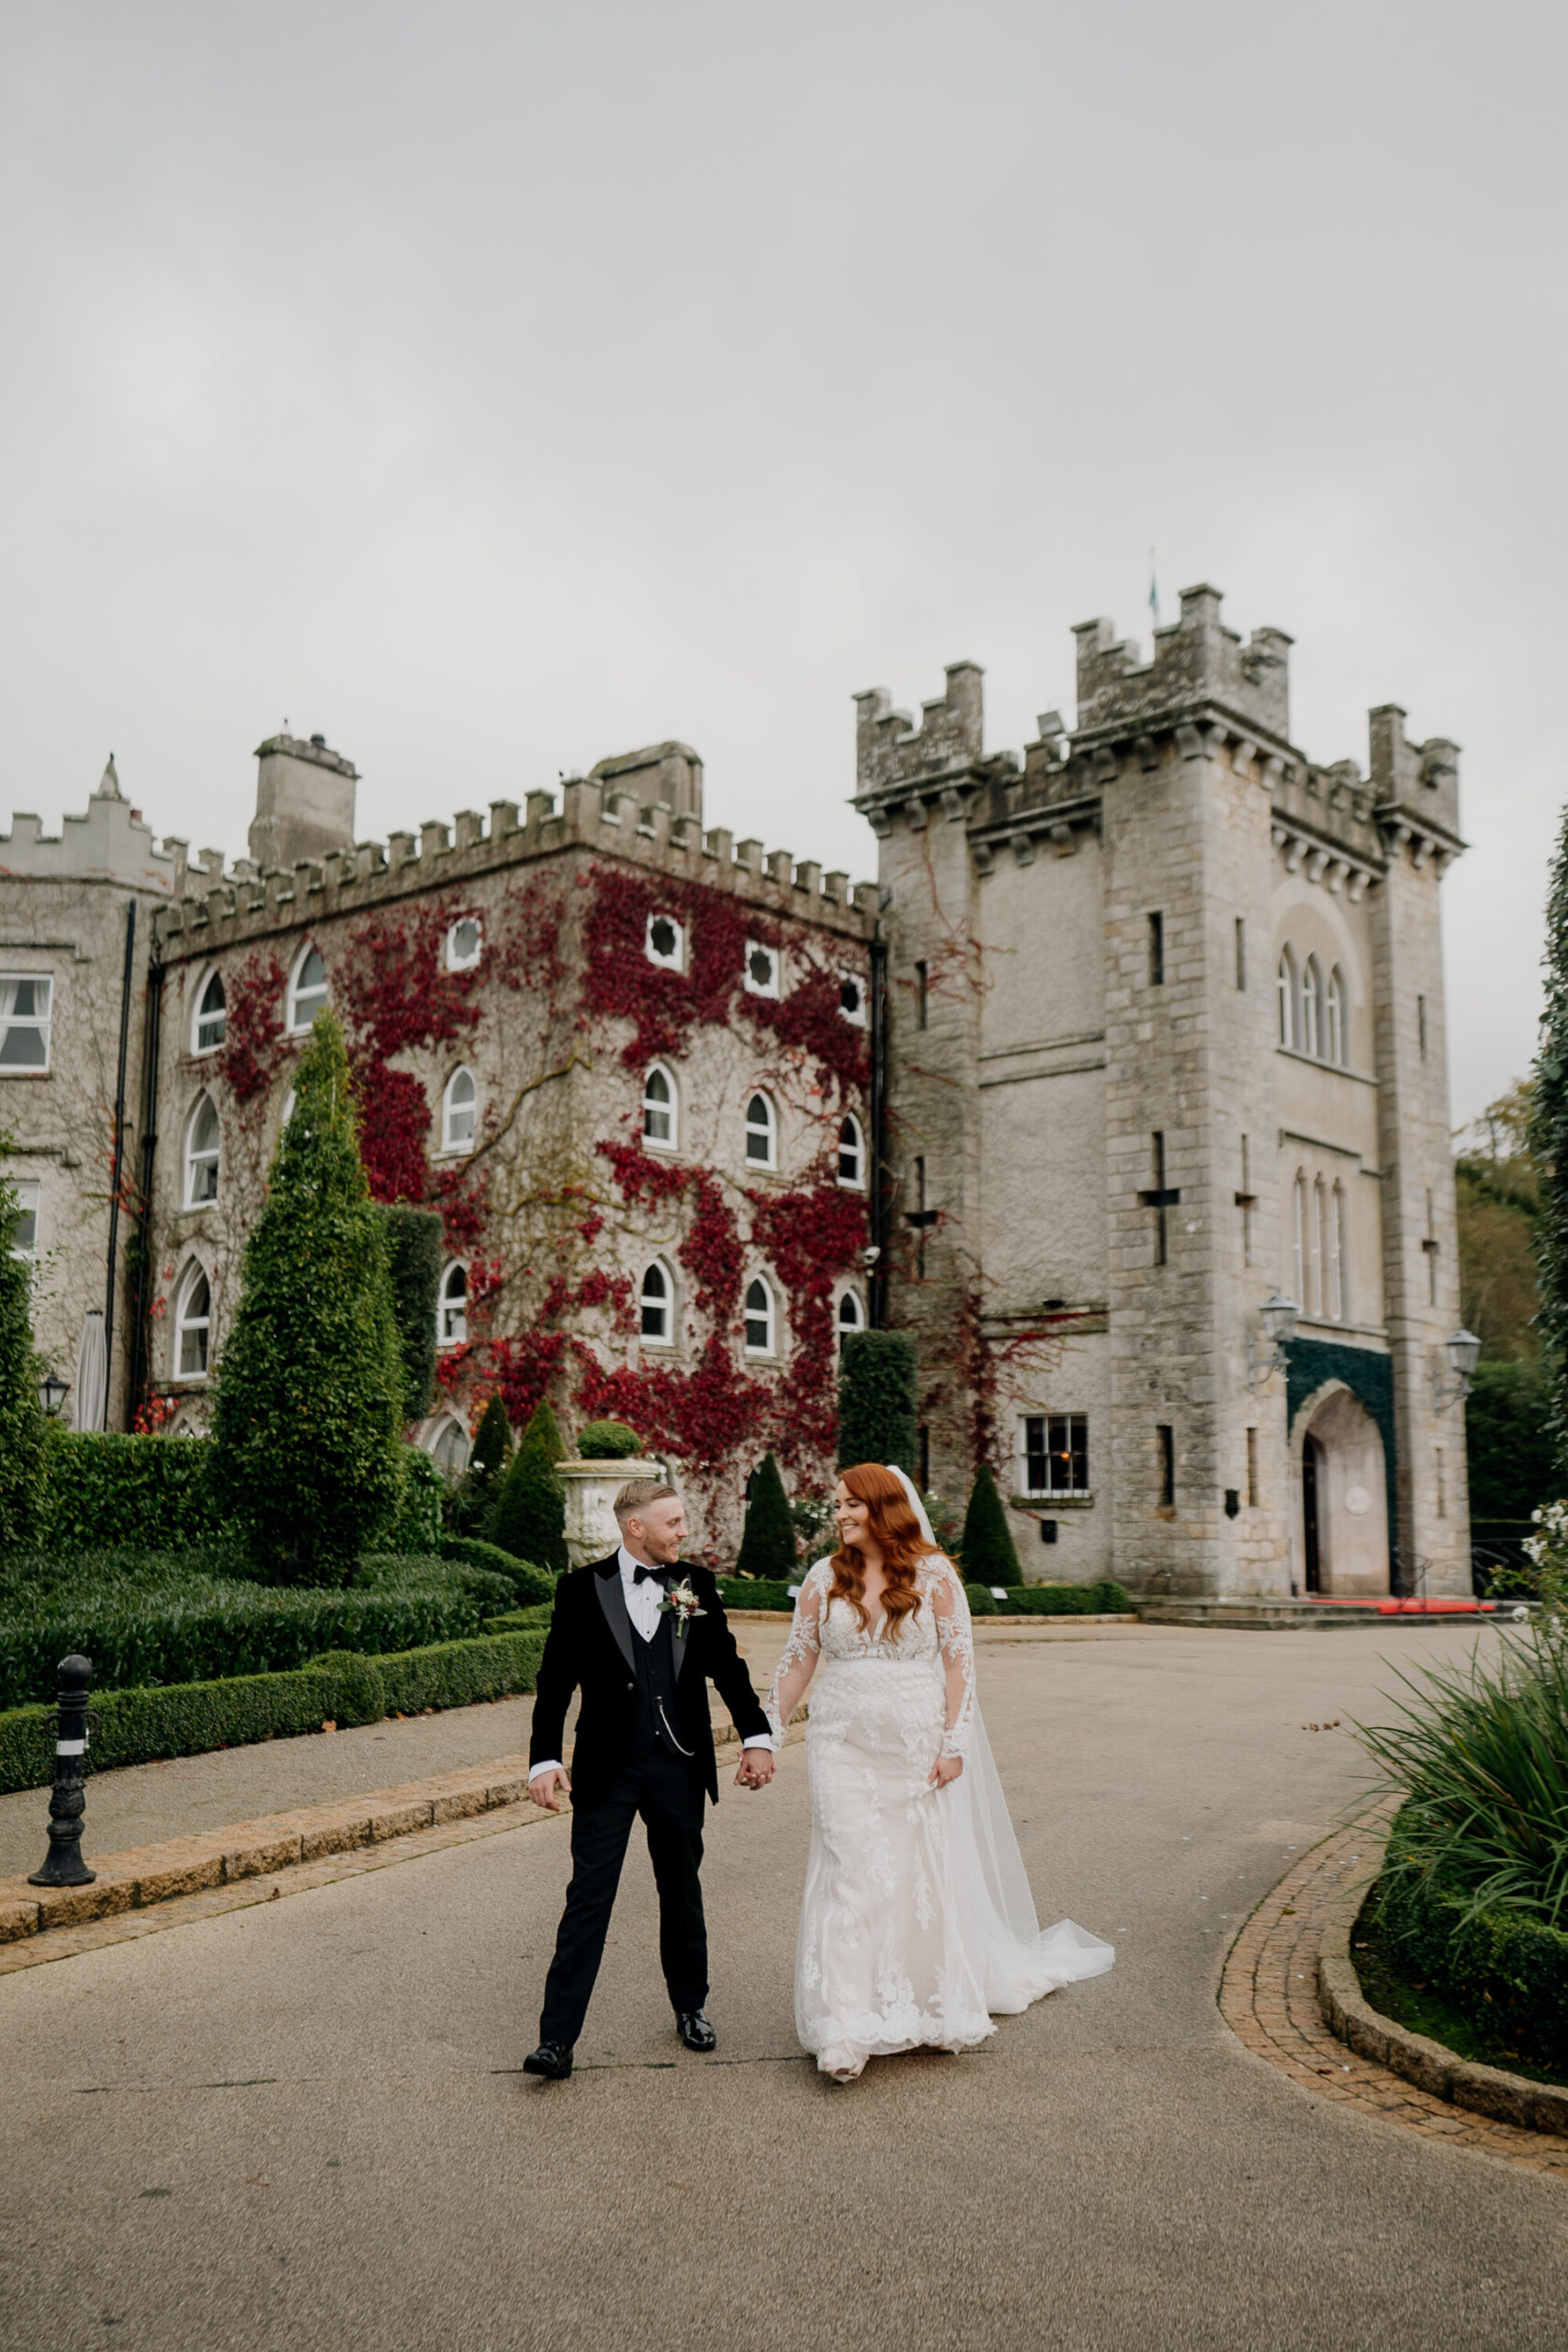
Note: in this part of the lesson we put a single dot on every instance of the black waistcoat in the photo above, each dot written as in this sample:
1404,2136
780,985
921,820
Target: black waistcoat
658,1714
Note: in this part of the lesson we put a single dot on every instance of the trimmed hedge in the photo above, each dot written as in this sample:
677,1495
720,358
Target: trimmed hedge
1505,1969
528,1583
878,1414
1103,1599
754,1592
190,1719
608,1441
520,1620
105,1489
980,1599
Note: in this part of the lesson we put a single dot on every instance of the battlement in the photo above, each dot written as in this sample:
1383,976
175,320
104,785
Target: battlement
109,844
1196,659
892,752
1418,780
253,903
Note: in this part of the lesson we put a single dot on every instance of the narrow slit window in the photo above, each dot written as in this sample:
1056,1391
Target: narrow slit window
1252,1469
1157,951
922,995
1241,952
1421,1025
1165,1435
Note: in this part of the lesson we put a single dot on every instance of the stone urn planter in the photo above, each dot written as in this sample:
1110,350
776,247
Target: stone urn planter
591,1488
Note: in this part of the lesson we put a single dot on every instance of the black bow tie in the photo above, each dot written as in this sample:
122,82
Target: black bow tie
660,1575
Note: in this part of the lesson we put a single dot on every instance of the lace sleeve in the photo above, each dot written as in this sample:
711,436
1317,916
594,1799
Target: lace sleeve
951,1611
798,1663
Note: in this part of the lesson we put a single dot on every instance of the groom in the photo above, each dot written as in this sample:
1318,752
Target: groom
642,1633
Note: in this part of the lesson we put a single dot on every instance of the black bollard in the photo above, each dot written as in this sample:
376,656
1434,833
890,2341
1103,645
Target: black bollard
62,1865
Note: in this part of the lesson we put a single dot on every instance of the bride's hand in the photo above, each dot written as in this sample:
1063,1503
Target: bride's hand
945,1768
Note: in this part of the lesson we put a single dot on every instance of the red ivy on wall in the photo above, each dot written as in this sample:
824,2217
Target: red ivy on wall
254,1046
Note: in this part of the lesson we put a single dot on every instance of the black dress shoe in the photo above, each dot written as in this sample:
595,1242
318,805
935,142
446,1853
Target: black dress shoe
552,2059
694,2029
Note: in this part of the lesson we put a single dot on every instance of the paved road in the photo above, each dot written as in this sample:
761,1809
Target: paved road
299,2126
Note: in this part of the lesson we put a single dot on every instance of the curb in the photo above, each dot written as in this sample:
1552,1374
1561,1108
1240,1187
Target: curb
1437,2070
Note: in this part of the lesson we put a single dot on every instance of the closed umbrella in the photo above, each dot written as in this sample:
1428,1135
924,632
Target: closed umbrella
92,1373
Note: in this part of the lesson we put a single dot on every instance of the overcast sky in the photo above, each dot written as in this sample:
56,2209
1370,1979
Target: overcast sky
494,388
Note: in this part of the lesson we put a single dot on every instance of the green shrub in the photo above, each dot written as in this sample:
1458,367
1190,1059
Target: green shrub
608,1441
981,1603
472,1504
1508,1448
190,1719
155,1621
527,1583
520,1620
741,1592
1504,1967
986,1548
104,1488
876,1400
419,1525
23,1429
415,1248
767,1546
307,1420
530,1516
1103,1599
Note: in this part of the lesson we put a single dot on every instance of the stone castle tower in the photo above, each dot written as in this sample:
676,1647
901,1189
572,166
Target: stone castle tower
1164,1040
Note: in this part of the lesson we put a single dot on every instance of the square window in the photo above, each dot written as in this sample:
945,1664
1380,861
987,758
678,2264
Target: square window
1056,1453
25,1005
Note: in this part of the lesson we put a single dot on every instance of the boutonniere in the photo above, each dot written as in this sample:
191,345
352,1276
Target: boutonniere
684,1602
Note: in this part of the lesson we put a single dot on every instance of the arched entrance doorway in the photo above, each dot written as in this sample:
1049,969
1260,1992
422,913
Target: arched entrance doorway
1339,1539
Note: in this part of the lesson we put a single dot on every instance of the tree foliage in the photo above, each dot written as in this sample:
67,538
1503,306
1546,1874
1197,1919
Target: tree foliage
1507,1443
309,1414
876,1400
530,1516
767,1545
415,1246
1548,1139
23,1430
1497,1182
986,1549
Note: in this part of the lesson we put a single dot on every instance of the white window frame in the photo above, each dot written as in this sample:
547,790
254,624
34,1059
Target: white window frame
656,1270
452,1144
1337,1019
43,1022
771,984
861,1015
1054,1493
855,1183
1287,992
653,1109
455,960
197,1023
194,1161
768,1317
856,1322
1312,1009
29,1196
185,1322
768,1129
298,1028
452,1308
676,959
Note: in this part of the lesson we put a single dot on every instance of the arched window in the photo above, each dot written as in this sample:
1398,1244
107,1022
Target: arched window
457,1107
658,1305
1286,998
202,1152
851,1152
762,1133
306,989
1328,1211
465,944
759,1318
661,1120
1320,1249
665,943
452,1307
1342,1251
1298,1239
1336,1021
762,969
450,1450
193,1326
852,1314
212,1016
1309,1037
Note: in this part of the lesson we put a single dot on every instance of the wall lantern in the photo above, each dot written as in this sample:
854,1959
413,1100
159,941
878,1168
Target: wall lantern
52,1393
1278,1316
1464,1351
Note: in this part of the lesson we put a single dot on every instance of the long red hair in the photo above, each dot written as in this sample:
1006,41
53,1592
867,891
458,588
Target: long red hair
896,1528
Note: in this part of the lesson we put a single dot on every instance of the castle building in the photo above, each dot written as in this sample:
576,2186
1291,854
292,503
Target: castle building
1164,1045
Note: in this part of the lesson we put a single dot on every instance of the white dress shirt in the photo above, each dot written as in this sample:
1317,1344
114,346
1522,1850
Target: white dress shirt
643,1602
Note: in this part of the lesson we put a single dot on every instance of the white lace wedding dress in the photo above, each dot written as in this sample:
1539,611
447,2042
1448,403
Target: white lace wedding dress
918,1925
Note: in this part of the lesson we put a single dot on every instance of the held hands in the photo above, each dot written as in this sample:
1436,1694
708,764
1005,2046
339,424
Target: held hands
548,1789
945,1768
756,1767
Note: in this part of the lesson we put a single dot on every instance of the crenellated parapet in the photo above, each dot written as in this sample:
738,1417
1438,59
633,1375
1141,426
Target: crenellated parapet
1196,658
594,814
892,754
109,844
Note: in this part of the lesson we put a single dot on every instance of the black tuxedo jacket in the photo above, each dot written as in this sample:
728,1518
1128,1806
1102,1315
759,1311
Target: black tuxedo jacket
590,1644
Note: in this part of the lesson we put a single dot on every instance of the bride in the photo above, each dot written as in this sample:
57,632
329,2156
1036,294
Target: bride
917,1923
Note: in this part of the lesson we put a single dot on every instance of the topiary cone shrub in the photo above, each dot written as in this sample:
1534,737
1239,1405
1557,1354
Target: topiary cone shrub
767,1546
307,1454
23,1428
876,1400
986,1548
607,1442
472,1504
529,1520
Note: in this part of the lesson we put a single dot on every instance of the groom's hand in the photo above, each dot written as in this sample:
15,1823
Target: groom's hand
548,1789
756,1767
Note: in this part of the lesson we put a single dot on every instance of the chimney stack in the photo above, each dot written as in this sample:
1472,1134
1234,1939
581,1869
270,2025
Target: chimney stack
304,802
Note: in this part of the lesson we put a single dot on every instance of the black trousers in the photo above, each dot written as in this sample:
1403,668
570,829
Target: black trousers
668,1793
